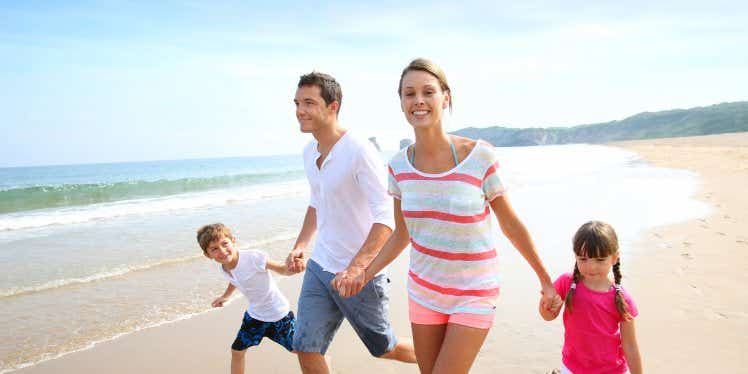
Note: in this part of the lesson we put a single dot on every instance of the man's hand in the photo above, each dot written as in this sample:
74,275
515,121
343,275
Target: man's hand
350,281
296,261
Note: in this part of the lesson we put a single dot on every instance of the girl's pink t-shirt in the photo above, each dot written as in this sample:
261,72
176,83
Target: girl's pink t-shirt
592,337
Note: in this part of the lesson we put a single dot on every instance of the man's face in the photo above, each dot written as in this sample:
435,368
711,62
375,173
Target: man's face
311,111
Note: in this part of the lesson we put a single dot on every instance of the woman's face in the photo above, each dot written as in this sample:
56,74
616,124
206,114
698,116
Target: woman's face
422,99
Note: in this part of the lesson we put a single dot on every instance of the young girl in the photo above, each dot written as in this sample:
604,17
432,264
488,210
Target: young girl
599,314
445,188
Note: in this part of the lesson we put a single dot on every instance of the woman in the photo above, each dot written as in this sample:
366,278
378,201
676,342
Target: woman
445,187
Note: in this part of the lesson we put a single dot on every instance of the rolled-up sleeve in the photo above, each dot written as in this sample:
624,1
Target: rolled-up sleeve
313,196
371,176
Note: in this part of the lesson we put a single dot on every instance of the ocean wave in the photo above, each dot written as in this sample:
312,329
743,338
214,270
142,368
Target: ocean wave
116,272
124,270
69,195
73,215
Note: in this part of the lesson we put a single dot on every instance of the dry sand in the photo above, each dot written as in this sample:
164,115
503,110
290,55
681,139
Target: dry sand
691,289
688,280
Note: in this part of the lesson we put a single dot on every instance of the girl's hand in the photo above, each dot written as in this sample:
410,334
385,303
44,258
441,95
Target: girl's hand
556,304
549,295
217,303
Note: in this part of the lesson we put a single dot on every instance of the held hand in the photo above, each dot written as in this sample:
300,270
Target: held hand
556,304
296,261
217,303
350,281
550,298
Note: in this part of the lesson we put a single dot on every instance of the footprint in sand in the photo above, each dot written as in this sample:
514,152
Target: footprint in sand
712,315
686,243
686,255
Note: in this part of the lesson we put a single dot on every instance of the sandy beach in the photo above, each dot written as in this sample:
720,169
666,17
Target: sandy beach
690,285
686,278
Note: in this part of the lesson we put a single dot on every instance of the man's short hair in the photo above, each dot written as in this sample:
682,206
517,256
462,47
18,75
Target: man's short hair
329,88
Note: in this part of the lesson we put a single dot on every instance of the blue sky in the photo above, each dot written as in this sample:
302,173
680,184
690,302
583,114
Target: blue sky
135,80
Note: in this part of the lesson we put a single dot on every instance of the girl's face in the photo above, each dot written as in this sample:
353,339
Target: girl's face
596,268
422,99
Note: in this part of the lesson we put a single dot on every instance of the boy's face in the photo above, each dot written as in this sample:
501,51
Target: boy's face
221,250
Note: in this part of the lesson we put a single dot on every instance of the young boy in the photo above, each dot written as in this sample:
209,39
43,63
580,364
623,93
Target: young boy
268,314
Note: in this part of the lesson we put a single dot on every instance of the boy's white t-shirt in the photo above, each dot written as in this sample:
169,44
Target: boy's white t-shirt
266,302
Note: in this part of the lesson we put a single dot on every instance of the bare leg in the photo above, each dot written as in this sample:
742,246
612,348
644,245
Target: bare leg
403,351
237,361
459,349
313,363
428,341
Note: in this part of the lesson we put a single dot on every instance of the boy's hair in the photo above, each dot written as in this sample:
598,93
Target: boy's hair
210,233
428,66
593,240
329,88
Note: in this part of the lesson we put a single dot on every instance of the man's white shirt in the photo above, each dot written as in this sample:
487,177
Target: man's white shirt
349,194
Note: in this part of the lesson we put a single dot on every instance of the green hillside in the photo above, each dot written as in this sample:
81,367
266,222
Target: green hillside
714,119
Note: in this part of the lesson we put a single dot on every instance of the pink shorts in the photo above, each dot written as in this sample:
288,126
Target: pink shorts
421,315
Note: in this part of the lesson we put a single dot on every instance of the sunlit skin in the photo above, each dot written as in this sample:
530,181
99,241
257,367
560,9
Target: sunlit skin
222,251
311,111
595,271
423,101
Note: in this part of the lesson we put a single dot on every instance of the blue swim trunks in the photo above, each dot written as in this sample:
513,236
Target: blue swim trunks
252,332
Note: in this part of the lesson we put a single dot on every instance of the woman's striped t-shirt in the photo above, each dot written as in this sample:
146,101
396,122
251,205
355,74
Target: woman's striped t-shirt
453,258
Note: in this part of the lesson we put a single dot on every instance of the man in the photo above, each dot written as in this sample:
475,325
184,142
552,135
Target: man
351,213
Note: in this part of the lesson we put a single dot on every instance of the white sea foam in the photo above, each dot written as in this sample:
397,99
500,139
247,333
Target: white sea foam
73,215
124,270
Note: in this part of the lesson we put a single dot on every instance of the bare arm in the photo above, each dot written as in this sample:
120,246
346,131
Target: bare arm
517,233
278,267
374,241
349,280
393,246
225,297
631,347
389,251
296,260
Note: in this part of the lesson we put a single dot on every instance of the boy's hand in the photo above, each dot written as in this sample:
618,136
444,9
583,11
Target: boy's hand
296,261
217,303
